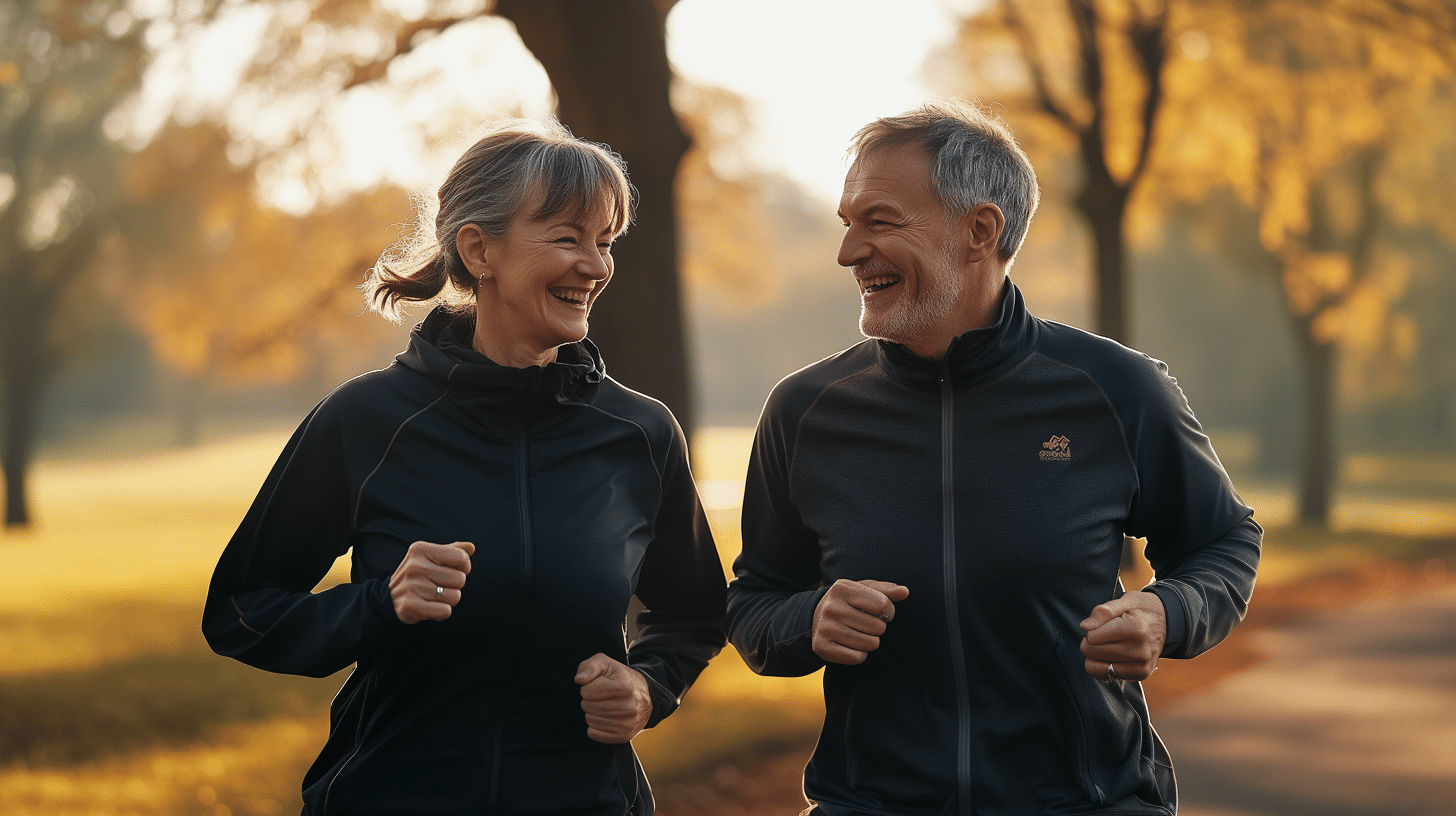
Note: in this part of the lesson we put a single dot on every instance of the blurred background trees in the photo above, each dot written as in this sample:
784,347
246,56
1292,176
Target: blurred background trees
64,67
1311,114
1255,191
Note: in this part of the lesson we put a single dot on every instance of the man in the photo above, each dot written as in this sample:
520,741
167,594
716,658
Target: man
936,515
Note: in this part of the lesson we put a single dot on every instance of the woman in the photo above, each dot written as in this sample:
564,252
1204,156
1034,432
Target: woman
504,499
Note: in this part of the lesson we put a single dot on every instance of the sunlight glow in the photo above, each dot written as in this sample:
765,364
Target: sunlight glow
813,71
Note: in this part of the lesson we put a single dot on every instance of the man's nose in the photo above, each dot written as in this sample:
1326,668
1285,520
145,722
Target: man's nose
853,249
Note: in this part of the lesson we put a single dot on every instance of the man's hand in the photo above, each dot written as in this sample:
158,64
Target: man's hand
851,617
426,585
615,699
1126,634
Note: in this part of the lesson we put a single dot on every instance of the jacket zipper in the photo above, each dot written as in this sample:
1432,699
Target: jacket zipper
358,740
523,491
948,555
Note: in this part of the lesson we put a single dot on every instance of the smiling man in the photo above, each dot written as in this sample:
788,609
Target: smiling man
936,515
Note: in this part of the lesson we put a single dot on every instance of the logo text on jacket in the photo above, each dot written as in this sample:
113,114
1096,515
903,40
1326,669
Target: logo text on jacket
1057,448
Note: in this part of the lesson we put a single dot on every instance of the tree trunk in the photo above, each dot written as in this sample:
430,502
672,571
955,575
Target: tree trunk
607,60
22,368
1103,202
1318,447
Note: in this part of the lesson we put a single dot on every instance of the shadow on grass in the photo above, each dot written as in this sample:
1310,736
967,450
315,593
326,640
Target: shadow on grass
67,718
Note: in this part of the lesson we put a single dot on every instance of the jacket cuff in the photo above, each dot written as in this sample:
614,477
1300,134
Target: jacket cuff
381,603
664,702
1175,615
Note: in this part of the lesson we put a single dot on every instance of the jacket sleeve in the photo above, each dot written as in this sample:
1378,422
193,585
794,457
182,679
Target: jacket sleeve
260,607
681,588
777,580
1202,540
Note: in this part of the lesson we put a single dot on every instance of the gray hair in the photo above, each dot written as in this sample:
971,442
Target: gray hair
975,160
514,163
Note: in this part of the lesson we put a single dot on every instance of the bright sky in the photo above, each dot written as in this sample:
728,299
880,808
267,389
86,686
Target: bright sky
813,72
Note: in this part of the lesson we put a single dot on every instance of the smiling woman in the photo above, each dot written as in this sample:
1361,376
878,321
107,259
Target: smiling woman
504,500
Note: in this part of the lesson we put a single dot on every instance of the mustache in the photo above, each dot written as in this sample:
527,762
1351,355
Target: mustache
874,269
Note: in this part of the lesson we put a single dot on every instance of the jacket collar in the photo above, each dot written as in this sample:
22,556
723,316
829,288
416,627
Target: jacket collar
440,347
975,357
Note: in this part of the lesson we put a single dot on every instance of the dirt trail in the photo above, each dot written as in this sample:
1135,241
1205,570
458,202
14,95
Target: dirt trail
1351,711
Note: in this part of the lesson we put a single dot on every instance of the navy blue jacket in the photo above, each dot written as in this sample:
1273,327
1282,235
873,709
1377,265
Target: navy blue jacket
997,485
577,494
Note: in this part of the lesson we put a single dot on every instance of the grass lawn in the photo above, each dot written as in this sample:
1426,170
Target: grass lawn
111,703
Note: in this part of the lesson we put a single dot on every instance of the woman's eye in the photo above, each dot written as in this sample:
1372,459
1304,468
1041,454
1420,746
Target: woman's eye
605,246
566,239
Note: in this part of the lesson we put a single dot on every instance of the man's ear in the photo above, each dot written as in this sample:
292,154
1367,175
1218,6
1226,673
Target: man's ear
475,248
982,226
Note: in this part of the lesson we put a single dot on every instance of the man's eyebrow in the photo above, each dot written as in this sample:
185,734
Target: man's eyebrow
874,208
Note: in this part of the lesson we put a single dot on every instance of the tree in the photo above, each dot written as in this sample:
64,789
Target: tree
607,60
227,287
1307,111
607,63
63,68
1084,76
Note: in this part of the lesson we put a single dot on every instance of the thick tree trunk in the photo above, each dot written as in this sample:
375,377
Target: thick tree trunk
1318,447
607,60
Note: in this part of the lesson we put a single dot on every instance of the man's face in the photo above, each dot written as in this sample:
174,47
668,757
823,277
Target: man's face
903,251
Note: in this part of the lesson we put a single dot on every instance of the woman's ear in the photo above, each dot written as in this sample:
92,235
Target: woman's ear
983,225
474,247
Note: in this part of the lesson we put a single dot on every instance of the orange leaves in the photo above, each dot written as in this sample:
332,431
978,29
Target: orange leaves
227,286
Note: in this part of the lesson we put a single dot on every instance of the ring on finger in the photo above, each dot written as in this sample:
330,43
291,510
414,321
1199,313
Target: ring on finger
1111,672
439,592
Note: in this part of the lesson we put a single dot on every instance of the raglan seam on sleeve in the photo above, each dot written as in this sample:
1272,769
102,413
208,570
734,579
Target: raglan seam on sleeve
798,426
359,496
1111,408
646,437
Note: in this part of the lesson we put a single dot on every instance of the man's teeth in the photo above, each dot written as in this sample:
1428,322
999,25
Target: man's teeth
881,282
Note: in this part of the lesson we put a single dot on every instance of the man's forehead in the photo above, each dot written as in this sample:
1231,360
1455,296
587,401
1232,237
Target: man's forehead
899,172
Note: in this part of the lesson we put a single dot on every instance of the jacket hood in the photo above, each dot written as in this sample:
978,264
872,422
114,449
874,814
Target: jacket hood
975,357
440,347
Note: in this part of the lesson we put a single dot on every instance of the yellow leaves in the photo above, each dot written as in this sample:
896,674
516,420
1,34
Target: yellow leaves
1311,280
1359,314
1285,212
228,286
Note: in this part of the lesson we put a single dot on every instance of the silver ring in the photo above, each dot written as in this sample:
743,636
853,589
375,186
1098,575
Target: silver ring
439,592
1111,672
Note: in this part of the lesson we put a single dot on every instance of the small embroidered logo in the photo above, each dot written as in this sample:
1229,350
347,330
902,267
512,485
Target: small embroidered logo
1057,448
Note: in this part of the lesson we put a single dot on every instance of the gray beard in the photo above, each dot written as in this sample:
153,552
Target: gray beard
909,323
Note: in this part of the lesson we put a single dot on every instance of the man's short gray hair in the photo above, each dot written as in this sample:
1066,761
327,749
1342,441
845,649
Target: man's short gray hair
975,160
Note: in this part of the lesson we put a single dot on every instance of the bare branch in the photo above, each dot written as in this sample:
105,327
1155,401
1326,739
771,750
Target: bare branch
1037,67
404,42
1150,42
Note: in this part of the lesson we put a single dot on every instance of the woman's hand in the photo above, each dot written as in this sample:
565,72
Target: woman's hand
615,699
426,585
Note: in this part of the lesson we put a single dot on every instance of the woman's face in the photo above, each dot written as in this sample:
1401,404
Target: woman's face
539,282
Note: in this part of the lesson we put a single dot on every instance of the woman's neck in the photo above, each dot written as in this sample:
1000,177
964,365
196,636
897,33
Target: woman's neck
509,352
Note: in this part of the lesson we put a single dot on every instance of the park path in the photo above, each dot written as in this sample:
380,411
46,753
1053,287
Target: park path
1352,712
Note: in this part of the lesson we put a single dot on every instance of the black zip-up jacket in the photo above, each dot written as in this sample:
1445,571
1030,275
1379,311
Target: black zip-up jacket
997,485
577,494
